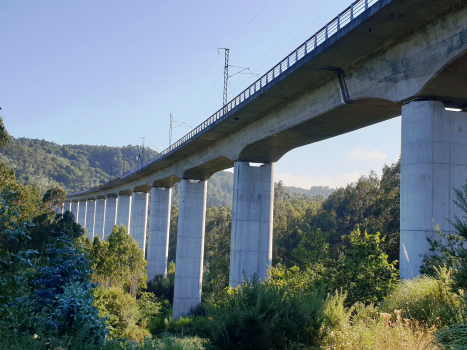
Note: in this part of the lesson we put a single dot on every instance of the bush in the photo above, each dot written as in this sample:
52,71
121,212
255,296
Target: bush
163,287
428,300
122,313
259,316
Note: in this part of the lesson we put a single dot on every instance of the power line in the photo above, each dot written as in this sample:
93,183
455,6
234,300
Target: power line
187,95
322,15
283,13
248,23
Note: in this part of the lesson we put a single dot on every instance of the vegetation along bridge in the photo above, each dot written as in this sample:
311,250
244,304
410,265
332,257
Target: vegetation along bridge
374,61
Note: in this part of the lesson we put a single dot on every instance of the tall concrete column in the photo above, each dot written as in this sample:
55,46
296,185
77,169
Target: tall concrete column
82,210
110,215
252,210
124,211
100,219
68,206
159,227
433,162
139,218
75,210
190,246
90,217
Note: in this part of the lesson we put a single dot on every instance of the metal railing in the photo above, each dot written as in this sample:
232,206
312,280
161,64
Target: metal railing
342,19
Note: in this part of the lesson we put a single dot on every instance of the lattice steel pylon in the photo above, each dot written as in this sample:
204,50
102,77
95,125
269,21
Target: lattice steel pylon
226,74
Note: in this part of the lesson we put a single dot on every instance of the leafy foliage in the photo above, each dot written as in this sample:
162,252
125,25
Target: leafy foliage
4,136
449,250
362,270
118,262
260,316
15,263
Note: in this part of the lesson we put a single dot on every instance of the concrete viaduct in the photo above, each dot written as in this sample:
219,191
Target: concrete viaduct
374,61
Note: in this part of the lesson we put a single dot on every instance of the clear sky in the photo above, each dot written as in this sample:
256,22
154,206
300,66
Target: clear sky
108,72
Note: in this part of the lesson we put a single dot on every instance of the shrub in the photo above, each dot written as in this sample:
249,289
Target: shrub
452,337
122,313
163,287
428,300
260,316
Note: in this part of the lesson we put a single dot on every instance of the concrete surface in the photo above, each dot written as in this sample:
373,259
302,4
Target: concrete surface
100,218
110,215
190,246
159,228
433,163
82,211
124,211
90,217
252,219
139,218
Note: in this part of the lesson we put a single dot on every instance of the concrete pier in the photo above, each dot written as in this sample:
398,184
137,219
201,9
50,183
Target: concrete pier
110,215
252,210
434,161
99,219
124,211
139,218
75,210
67,207
82,210
159,226
190,246
90,217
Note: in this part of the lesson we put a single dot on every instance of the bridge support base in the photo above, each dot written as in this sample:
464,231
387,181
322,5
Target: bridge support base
190,246
139,218
433,162
159,226
251,244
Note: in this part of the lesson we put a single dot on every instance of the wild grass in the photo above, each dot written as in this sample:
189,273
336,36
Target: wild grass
386,331
164,342
431,301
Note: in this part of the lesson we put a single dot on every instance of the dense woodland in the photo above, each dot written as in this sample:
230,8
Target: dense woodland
333,283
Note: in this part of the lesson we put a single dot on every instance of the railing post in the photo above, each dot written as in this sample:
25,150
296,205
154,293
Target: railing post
326,33
366,5
296,56
351,12
288,62
316,40
338,21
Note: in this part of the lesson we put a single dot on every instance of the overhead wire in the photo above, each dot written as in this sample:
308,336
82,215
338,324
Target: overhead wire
256,15
314,21
195,115
267,30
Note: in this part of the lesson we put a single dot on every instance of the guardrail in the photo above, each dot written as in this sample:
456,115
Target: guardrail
342,19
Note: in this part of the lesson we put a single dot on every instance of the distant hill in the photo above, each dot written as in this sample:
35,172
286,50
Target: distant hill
45,164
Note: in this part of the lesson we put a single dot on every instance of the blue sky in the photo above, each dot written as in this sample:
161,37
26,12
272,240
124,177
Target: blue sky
108,72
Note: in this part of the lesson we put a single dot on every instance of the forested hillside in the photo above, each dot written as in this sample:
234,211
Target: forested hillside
45,164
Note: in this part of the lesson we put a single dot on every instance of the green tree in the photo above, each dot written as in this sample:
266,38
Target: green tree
217,248
118,262
4,136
